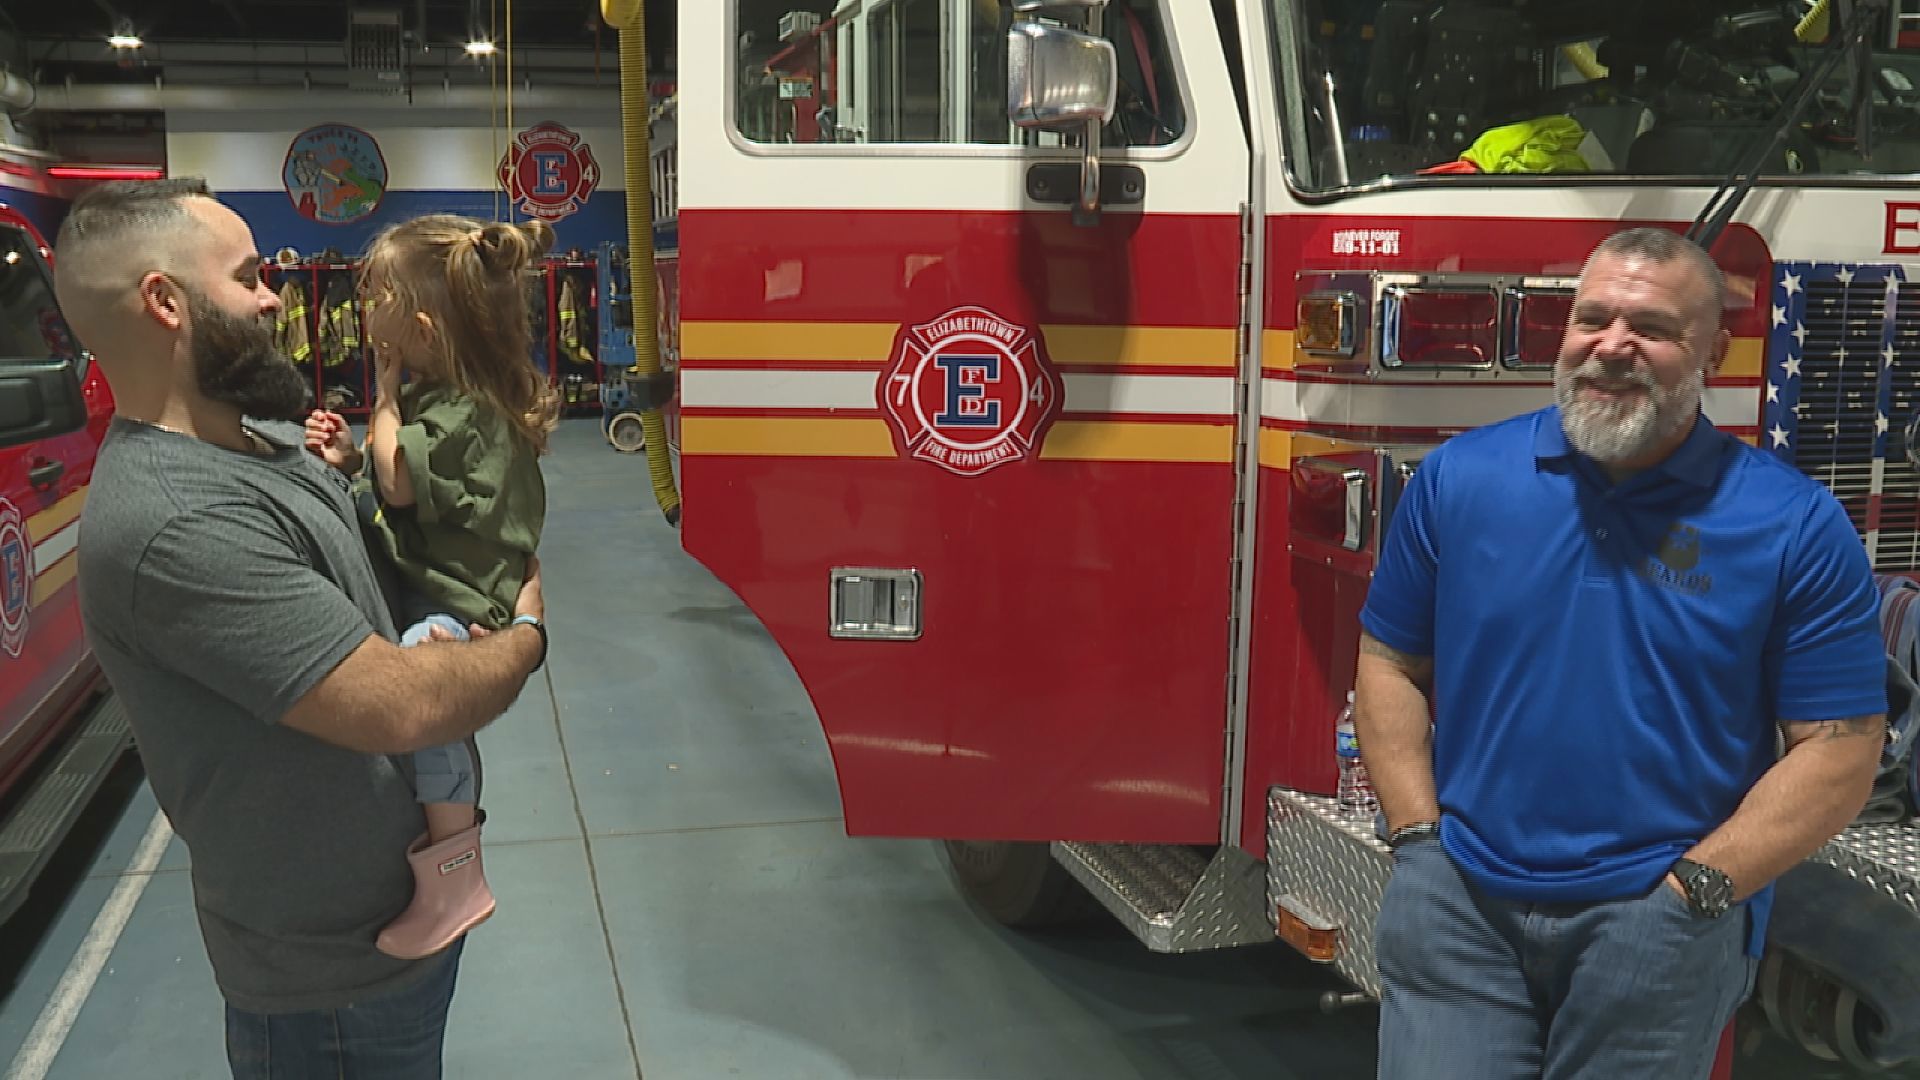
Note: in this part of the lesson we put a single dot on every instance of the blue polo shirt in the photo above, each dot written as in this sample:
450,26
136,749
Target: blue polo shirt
1611,660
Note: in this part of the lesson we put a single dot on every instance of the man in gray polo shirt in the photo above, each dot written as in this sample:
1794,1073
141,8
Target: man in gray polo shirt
229,596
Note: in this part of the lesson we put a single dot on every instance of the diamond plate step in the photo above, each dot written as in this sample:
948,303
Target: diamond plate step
1336,866
54,798
1885,858
1175,898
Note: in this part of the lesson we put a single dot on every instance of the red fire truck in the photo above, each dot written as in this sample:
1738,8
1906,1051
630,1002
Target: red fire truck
1045,391
60,730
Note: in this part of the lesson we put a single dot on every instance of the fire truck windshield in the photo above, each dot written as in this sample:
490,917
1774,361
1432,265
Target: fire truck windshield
1398,91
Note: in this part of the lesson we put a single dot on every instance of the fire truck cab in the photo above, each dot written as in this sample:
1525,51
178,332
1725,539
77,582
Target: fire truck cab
60,729
1048,370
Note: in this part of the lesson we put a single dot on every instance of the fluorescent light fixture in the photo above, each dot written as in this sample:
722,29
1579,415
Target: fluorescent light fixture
480,48
106,172
125,41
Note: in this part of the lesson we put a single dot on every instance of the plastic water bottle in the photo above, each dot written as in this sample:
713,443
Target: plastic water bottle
1356,790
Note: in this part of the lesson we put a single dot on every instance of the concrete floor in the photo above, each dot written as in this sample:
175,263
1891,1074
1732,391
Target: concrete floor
677,897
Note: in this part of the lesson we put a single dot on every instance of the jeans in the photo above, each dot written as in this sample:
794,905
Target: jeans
1479,988
442,774
397,1037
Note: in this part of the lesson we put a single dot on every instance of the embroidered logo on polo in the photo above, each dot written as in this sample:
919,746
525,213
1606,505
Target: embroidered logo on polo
1676,565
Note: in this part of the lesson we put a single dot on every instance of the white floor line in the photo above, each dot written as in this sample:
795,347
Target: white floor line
56,1020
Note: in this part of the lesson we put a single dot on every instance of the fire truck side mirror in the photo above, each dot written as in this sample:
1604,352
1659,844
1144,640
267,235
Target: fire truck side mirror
1059,79
1065,80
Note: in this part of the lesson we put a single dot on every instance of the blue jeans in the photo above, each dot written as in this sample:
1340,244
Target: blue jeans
1478,988
397,1037
442,774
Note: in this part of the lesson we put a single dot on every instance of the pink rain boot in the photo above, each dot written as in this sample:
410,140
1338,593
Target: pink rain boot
450,897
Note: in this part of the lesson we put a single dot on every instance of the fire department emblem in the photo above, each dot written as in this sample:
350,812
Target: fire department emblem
549,171
969,391
16,579
335,174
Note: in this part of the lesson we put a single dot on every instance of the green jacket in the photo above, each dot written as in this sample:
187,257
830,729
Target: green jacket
479,505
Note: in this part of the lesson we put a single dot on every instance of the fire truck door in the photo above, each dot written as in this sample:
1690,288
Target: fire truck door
46,459
969,462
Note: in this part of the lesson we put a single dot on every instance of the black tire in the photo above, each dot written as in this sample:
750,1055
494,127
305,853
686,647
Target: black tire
1018,884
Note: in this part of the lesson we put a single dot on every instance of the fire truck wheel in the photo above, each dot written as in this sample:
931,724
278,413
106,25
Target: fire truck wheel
1019,884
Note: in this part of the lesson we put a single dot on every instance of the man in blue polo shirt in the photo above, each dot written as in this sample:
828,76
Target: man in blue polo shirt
1586,626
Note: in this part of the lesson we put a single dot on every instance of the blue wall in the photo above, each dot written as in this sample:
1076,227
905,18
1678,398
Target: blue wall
276,224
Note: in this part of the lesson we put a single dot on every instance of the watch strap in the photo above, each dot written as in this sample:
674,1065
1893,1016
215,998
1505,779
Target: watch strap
529,620
1419,830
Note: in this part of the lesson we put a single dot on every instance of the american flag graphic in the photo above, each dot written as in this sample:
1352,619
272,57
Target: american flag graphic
1840,390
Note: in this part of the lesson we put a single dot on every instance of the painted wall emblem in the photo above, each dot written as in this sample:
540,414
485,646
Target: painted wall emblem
335,174
16,579
969,391
549,171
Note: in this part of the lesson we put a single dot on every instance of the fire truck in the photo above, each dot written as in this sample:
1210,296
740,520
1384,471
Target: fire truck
61,731
1048,369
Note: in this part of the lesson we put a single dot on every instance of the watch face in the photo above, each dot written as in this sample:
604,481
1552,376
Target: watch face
1710,890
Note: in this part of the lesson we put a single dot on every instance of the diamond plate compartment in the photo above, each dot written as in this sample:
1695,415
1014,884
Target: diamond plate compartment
1882,857
1174,898
1334,865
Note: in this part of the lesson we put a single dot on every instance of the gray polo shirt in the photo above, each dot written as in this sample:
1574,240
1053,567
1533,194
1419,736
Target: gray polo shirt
218,588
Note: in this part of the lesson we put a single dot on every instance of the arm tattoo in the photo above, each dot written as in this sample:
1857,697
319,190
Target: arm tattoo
1417,666
1873,726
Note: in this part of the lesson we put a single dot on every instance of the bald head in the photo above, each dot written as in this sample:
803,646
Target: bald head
114,235
1664,246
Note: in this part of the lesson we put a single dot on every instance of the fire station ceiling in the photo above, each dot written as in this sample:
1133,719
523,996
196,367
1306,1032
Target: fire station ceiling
59,40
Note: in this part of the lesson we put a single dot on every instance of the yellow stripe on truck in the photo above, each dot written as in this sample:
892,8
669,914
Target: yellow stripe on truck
1068,346
56,517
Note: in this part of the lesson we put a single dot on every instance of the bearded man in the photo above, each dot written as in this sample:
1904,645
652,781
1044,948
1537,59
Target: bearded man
234,609
1586,628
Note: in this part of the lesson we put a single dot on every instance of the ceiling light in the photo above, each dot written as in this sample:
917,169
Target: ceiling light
479,48
106,172
125,41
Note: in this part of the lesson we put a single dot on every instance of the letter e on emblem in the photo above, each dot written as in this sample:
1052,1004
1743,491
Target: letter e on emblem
969,391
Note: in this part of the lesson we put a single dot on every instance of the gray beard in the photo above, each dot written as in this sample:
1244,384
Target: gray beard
1607,432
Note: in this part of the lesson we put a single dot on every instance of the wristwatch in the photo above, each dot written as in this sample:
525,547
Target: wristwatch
529,620
1419,830
1709,892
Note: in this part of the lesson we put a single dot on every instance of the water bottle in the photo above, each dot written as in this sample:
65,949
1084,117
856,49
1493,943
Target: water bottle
1356,791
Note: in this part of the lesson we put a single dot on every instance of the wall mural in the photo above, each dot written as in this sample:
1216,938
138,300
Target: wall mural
335,174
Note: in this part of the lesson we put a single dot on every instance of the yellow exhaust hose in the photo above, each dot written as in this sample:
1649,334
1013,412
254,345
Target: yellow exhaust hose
629,17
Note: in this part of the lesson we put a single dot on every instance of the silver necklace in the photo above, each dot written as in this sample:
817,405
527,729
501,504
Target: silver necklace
255,442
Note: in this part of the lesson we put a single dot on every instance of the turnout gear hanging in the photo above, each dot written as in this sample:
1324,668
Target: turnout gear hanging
290,335
339,325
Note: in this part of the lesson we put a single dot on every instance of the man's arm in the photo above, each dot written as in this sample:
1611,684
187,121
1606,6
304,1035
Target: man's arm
383,699
1394,720
1803,801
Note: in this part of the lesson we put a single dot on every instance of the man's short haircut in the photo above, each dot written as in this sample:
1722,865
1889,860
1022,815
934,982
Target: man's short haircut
1664,246
116,216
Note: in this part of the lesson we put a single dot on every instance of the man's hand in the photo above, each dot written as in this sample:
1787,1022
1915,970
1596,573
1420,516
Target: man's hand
530,601
386,373
329,438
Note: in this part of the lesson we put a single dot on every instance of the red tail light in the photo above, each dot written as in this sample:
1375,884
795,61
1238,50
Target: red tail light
1439,328
1537,321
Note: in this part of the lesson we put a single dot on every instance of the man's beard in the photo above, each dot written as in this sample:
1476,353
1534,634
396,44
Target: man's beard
234,361
1609,432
